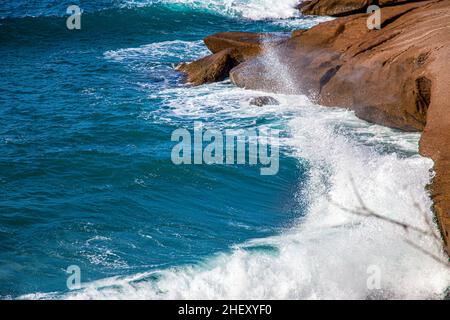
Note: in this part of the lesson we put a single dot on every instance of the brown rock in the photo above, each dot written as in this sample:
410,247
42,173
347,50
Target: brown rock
383,3
229,49
299,32
212,68
334,8
398,76
339,8
348,65
435,142
248,44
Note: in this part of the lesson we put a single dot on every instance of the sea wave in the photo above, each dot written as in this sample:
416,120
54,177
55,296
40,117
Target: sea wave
249,9
160,51
330,253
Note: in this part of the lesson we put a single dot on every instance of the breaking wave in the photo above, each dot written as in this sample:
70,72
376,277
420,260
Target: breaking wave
329,253
249,9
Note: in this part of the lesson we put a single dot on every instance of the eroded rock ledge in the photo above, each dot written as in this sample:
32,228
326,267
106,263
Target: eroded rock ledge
229,49
398,76
339,8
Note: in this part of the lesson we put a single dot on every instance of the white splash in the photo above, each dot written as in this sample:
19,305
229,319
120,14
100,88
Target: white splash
250,9
177,49
330,252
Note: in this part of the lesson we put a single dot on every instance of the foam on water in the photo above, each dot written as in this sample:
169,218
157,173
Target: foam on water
250,9
329,253
177,49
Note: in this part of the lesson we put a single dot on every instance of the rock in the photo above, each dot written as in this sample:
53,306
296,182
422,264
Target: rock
229,49
248,44
398,76
212,68
345,64
383,3
264,101
334,8
339,8
299,32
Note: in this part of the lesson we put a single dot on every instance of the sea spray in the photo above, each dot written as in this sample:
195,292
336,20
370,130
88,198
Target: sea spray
330,253
281,78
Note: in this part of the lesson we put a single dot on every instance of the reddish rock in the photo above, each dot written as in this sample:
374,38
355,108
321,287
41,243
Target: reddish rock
248,44
345,64
339,8
435,142
212,68
334,8
383,3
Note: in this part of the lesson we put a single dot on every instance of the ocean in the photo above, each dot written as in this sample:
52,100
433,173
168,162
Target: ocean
87,180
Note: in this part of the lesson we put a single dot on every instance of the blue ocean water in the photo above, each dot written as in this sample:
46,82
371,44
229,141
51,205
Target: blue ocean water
86,177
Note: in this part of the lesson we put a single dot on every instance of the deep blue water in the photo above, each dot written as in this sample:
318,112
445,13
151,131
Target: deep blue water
85,171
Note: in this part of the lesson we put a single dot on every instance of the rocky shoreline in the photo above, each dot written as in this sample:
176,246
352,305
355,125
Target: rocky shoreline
398,76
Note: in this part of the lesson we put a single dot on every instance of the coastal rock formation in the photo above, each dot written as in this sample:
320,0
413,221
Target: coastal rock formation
398,76
264,101
229,49
212,68
339,8
345,64
248,44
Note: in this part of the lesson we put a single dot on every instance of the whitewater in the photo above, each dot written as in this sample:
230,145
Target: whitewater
327,252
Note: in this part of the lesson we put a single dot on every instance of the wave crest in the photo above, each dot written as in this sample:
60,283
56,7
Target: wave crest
249,9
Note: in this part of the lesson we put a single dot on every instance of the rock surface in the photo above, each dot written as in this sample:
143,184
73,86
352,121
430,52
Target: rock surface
212,68
334,8
264,101
229,49
339,8
248,44
348,65
398,76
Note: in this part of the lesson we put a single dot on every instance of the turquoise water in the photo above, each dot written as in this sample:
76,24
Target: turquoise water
86,177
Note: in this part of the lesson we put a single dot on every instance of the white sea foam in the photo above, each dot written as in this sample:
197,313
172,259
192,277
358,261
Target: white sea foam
178,49
328,254
250,9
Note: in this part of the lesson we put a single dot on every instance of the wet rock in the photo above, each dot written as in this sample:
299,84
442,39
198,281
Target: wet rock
212,68
340,8
343,63
264,101
334,8
248,44
229,50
